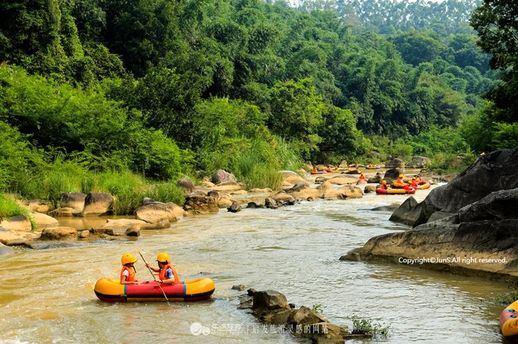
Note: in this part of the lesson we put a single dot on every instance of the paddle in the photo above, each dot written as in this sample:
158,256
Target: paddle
154,278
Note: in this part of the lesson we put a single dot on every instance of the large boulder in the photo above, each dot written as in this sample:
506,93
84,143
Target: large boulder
224,200
17,223
222,176
185,184
391,175
395,163
227,187
308,194
297,187
419,162
283,197
411,213
158,212
38,206
73,200
305,316
292,178
120,227
342,180
467,227
498,205
234,207
375,179
64,212
369,189
13,238
491,172
97,203
200,205
343,192
59,233
43,221
269,300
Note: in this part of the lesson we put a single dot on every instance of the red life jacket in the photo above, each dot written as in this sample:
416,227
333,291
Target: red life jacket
131,274
162,276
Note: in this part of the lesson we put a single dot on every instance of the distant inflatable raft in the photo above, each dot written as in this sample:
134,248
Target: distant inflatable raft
189,290
408,190
509,322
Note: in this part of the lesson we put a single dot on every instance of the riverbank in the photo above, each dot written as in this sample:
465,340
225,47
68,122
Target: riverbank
38,220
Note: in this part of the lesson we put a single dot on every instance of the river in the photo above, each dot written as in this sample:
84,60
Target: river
46,296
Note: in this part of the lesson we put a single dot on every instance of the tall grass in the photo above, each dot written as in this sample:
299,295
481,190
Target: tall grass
128,188
166,192
9,207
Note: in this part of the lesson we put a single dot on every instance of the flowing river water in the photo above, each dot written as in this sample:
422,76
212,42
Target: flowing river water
46,296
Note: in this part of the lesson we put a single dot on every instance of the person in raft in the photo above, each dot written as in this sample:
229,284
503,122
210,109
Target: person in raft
383,185
128,272
166,272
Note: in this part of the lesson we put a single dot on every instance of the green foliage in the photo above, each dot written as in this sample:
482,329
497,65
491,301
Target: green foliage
17,158
235,138
9,207
296,113
106,89
484,132
417,47
103,134
369,327
166,192
317,308
494,20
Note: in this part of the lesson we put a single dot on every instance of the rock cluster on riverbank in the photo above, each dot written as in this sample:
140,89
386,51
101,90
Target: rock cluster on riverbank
470,223
272,307
222,191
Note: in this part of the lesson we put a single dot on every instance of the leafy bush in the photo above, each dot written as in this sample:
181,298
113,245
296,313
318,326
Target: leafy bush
18,159
9,207
99,132
166,192
369,327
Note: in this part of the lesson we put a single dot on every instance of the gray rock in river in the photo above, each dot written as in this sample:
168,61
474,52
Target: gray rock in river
471,223
5,249
491,172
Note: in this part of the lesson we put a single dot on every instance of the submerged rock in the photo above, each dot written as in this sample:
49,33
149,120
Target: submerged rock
158,212
234,207
199,205
59,233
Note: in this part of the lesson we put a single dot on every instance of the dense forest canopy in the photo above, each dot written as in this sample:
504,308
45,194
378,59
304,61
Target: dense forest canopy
165,88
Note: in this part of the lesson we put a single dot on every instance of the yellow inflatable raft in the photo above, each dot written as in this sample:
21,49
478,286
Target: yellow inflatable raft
190,290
